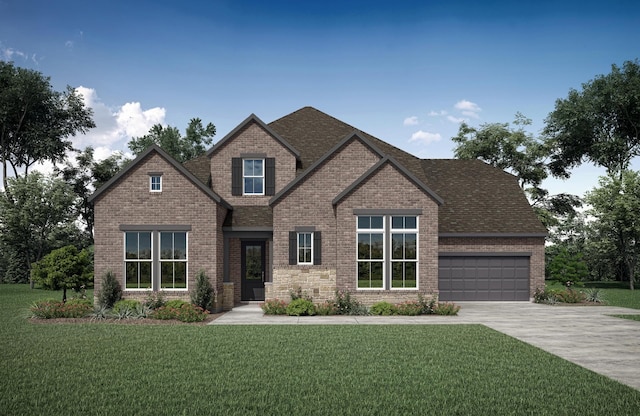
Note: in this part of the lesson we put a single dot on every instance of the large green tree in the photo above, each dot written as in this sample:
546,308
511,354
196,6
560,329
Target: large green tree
36,215
35,120
64,268
193,144
599,124
616,208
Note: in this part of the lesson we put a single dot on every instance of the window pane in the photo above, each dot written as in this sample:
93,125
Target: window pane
166,275
410,246
410,222
131,278
364,246
145,246
364,223
376,274
248,168
396,222
145,275
257,185
180,246
397,274
377,223
410,277
377,246
248,185
180,275
257,168
131,245
363,275
166,245
397,247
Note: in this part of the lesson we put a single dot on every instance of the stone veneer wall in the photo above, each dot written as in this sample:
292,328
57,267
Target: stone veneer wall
319,284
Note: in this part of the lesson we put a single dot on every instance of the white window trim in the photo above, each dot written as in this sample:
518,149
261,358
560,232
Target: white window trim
417,259
126,260
151,183
384,251
264,185
185,260
310,263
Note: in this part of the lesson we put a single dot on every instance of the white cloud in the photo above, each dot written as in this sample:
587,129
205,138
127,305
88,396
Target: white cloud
425,137
69,44
410,121
121,124
437,113
455,119
468,108
10,54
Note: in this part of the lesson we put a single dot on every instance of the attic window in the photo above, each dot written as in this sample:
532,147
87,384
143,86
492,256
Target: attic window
155,182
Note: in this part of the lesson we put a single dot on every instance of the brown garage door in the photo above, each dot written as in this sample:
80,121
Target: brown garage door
476,277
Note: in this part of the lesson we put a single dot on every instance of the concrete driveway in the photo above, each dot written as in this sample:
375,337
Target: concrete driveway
584,335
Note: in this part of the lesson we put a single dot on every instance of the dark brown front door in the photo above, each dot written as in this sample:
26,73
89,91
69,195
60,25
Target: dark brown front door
253,265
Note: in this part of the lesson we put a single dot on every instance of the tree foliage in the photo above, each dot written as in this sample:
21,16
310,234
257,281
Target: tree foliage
599,124
36,120
64,268
36,215
616,208
193,144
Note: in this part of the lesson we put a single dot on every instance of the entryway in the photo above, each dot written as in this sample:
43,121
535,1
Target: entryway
253,270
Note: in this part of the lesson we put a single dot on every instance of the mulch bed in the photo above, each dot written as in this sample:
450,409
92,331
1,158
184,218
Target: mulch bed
145,321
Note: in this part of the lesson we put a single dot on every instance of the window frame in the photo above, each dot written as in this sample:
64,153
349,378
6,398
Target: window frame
162,261
404,231
151,183
138,261
371,231
309,248
245,176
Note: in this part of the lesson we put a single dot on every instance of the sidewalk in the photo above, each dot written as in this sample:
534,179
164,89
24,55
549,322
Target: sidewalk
585,335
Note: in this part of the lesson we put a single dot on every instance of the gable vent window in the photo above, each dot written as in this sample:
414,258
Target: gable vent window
155,183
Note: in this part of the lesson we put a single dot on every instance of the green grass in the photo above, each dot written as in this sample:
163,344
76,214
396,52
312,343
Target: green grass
106,369
630,317
614,293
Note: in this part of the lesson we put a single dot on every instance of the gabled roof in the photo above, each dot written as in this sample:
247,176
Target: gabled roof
156,149
354,135
254,119
384,161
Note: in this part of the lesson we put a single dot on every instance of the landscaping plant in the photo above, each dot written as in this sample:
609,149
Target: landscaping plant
110,291
301,307
203,295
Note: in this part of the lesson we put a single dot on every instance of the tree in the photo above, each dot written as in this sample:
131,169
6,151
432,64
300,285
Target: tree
616,207
169,139
600,124
35,211
36,120
64,268
515,150
84,177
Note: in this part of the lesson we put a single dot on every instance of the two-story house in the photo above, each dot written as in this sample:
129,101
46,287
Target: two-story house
309,201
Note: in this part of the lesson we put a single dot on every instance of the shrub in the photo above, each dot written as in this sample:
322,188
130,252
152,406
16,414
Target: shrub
154,300
567,268
176,303
345,305
51,309
64,268
298,293
427,306
326,308
185,312
45,309
110,291
446,308
544,295
100,313
125,309
409,308
301,307
570,296
384,308
274,307
594,295
203,295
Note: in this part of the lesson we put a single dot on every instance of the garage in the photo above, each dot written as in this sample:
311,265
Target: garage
483,277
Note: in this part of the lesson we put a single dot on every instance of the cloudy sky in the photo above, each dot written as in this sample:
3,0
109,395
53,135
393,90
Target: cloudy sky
407,72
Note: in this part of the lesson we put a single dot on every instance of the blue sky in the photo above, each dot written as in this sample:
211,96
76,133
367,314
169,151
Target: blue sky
406,72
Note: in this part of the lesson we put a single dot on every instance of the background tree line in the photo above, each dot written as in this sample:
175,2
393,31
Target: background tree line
598,124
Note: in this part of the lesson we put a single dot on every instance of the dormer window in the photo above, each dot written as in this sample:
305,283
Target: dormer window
253,176
155,182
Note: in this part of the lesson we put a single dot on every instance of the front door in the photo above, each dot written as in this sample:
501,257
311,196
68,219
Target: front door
253,265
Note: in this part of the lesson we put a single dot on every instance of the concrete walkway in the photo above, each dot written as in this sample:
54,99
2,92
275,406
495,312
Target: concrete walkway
584,335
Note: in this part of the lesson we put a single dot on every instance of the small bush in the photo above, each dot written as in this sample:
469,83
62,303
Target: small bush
301,307
125,309
51,309
274,307
100,313
186,312
345,305
546,296
446,308
154,300
409,308
384,308
326,308
176,303
594,295
110,291
570,296
427,306
203,295
298,293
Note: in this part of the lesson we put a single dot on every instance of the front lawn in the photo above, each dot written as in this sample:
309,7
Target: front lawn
106,368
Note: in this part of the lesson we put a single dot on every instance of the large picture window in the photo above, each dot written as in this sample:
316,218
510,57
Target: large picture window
371,252
387,252
173,260
253,176
138,260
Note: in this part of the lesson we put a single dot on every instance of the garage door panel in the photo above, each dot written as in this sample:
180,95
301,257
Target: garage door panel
483,278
